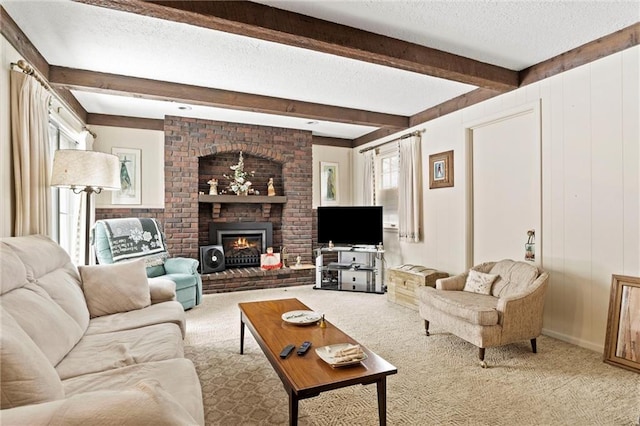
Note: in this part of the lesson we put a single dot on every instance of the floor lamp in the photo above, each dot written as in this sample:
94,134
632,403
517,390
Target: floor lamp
89,172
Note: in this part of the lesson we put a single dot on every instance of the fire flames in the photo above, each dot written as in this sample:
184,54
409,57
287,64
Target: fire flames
242,243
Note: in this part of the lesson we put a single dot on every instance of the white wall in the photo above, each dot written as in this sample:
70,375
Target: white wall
342,156
590,190
151,144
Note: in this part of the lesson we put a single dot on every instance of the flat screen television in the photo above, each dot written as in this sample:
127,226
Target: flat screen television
354,225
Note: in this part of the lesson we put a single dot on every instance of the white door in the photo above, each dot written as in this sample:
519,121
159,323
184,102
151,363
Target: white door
506,187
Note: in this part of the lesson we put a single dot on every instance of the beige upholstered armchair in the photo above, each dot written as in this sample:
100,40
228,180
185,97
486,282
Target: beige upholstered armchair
493,304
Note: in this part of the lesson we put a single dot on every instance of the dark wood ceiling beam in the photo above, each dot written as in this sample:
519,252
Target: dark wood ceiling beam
327,141
292,29
14,35
589,52
123,121
99,82
374,136
452,105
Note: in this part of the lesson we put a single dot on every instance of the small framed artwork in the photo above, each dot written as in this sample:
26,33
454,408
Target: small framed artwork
441,170
130,176
329,191
623,324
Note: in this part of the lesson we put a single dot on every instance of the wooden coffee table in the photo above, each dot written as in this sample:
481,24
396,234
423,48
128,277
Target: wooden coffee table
307,376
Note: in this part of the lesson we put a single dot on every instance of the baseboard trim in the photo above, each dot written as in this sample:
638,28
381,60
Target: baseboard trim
573,340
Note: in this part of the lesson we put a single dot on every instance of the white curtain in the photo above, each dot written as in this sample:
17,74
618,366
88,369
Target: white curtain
410,190
31,155
367,182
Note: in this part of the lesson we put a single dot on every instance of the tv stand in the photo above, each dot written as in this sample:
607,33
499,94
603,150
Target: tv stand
357,269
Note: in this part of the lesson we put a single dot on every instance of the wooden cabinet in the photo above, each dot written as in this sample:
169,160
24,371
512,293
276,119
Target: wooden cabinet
403,280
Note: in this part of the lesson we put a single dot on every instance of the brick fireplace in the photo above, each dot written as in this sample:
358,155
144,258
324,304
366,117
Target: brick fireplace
197,150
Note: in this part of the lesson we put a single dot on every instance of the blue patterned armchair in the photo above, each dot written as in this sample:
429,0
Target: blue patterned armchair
121,240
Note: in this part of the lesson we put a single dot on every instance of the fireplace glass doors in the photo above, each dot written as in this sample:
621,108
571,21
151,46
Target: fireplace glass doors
242,242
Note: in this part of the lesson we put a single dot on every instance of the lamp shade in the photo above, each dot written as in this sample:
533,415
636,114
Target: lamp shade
86,169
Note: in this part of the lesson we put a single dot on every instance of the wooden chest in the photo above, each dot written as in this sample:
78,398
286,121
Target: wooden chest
403,280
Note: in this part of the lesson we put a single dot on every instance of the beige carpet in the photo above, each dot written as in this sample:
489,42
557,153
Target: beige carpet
439,381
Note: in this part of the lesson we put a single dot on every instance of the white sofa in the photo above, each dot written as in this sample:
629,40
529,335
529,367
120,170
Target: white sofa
102,350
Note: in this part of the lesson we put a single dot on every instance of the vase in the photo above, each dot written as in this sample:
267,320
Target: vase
241,192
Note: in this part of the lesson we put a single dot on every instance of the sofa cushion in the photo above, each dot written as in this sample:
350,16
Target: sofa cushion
119,287
63,285
176,376
479,282
146,403
55,274
48,325
165,312
40,254
27,376
514,277
12,271
122,348
472,307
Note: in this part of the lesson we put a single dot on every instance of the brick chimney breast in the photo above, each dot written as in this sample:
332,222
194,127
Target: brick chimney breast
197,150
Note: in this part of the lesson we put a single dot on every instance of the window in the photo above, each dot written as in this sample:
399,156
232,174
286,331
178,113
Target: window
66,204
387,163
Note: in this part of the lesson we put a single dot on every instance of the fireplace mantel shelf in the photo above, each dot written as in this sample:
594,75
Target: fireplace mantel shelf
218,200
255,199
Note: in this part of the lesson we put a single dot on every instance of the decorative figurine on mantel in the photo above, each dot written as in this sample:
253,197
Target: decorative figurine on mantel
213,187
271,191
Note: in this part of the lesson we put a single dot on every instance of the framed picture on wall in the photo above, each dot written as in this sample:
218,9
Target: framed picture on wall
130,177
441,170
329,191
623,324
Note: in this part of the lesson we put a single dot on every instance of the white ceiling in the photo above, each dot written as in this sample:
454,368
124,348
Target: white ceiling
511,34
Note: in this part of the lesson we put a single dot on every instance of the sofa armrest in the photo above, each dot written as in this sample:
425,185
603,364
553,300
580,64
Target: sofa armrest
146,403
455,283
521,315
161,290
181,265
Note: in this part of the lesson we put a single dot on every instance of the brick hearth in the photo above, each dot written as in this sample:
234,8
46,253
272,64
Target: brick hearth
284,153
237,279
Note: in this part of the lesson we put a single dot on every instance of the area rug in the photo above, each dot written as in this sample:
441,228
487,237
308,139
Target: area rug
439,380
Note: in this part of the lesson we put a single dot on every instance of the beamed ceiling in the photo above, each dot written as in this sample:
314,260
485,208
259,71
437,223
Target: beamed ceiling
349,71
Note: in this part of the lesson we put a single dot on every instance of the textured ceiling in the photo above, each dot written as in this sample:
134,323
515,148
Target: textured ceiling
513,35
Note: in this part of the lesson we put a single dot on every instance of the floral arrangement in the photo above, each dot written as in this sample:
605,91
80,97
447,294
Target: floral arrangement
240,182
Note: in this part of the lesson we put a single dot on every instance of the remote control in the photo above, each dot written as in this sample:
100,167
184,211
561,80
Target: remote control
304,348
287,350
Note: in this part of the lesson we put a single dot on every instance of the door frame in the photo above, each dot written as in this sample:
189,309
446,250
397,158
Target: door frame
527,108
